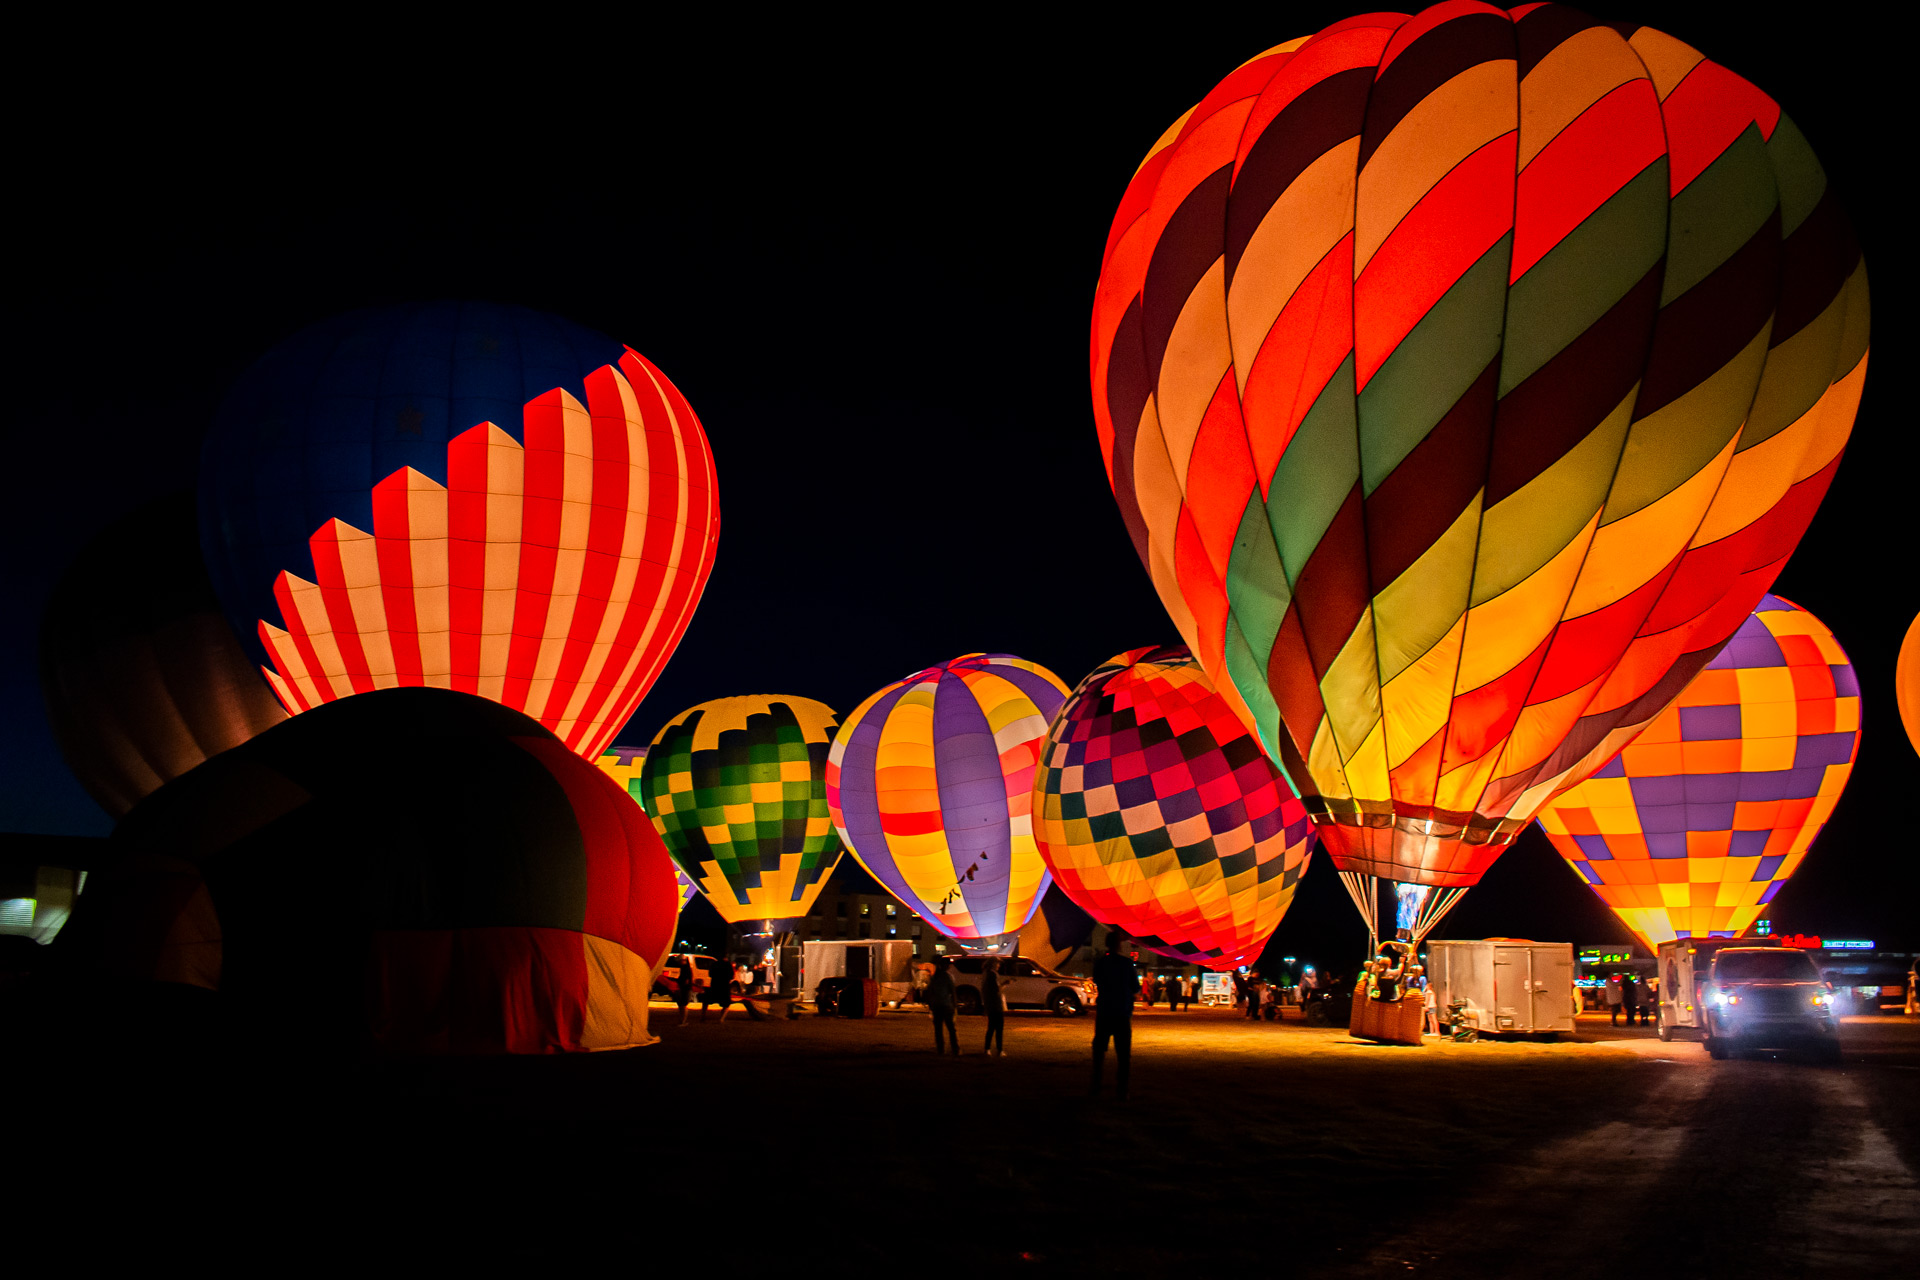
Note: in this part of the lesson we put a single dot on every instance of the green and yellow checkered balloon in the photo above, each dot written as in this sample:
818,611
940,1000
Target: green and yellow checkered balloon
737,789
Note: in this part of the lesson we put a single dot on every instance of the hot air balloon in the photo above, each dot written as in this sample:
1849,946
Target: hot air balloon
622,764
1159,813
143,678
737,787
424,870
1464,380
1691,830
1906,679
930,783
463,496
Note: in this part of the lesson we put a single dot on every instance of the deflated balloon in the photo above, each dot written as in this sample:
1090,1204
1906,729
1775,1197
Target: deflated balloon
463,496
1464,380
1158,813
1691,830
424,870
142,676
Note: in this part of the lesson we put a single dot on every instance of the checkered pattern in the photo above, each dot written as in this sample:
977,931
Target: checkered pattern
1160,814
1692,829
738,789
622,764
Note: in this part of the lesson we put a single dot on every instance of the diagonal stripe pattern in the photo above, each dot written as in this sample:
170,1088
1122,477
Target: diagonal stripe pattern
1464,379
1159,814
1691,830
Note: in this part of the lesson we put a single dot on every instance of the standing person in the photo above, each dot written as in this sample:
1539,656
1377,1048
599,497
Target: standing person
942,996
1613,1000
1242,993
1254,990
1630,997
719,990
683,987
1115,982
1645,993
994,1004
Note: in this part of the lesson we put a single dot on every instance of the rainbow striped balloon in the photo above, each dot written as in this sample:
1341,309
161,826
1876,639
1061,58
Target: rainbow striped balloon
1692,829
1464,380
930,783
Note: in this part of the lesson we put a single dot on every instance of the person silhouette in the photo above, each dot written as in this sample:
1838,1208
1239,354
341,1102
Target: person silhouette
942,995
993,1003
1116,982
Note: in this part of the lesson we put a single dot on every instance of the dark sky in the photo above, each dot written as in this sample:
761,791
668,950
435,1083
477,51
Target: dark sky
867,257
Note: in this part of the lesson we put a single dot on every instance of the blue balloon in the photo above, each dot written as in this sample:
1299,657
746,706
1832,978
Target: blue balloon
307,432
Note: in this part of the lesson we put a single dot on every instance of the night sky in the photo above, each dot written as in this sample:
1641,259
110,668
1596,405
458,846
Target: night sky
867,256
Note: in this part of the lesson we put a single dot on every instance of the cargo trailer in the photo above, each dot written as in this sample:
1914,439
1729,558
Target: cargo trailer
1512,986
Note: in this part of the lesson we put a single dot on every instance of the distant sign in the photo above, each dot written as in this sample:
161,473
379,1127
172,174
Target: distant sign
1596,955
1816,943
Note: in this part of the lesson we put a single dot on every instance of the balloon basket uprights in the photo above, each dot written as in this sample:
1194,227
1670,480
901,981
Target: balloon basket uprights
1417,909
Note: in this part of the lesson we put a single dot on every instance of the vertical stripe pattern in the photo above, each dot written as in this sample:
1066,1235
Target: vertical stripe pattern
554,575
930,784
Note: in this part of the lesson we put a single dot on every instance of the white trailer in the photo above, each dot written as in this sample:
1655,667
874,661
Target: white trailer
1512,986
888,963
1683,967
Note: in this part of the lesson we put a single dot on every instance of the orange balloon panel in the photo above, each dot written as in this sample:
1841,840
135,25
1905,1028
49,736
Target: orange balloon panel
1907,683
1691,830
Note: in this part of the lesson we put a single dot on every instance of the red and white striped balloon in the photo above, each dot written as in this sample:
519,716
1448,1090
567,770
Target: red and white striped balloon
555,577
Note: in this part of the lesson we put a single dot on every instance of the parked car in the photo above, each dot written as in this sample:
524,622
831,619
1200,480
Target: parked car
1024,984
1769,998
710,969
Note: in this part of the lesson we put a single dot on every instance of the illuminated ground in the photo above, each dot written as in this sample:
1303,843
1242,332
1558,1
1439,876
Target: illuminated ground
1247,1148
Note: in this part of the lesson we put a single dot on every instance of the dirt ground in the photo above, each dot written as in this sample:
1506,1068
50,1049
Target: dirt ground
822,1146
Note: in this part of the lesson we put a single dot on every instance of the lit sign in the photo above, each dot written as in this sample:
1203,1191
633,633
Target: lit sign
1848,944
1595,955
1801,941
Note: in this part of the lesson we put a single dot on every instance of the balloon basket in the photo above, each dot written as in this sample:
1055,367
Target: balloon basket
1389,1021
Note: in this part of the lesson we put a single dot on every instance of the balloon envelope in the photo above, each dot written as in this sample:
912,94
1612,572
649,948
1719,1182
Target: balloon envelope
1691,830
461,496
622,764
1158,812
143,678
1907,683
420,868
737,787
1464,379
930,784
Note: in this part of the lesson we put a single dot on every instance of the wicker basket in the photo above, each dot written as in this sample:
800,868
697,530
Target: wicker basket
1392,1022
